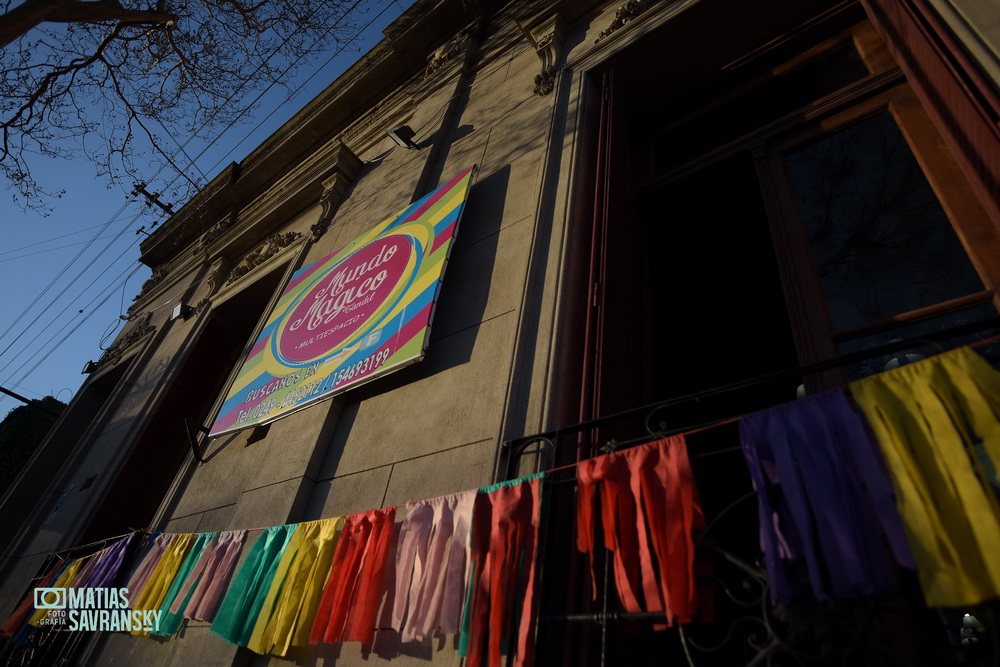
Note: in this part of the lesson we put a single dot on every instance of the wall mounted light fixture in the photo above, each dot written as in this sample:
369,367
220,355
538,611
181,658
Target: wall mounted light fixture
181,312
403,136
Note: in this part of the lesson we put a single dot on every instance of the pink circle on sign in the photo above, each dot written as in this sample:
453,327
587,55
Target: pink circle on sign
344,299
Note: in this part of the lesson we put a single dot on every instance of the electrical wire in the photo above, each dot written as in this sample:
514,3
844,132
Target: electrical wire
57,345
192,163
52,323
56,238
42,252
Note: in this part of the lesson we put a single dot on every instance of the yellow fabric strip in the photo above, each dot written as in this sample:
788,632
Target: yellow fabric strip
935,421
64,580
151,597
291,603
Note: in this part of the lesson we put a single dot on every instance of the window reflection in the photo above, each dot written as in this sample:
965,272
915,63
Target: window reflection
925,348
881,242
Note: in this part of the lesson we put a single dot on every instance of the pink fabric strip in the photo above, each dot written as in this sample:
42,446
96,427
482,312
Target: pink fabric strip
432,559
137,582
210,576
212,588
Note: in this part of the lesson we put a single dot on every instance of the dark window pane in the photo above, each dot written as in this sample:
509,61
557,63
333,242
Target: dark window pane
880,240
784,93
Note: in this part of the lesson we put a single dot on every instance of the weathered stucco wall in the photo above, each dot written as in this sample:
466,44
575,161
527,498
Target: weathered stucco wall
429,429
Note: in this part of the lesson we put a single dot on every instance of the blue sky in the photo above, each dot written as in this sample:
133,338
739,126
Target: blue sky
68,276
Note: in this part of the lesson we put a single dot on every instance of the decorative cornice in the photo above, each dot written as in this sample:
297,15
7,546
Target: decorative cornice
300,187
138,330
220,272
623,15
215,231
462,43
271,246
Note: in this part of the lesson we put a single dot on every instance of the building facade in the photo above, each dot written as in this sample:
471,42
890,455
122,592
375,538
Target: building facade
673,197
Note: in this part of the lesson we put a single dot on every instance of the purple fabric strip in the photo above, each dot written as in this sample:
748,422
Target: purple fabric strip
109,561
825,500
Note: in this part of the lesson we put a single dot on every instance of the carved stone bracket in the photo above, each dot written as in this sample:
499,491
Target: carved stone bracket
220,271
347,167
140,327
623,15
461,43
271,246
333,189
547,38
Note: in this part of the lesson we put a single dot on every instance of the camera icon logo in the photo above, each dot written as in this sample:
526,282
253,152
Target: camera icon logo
50,598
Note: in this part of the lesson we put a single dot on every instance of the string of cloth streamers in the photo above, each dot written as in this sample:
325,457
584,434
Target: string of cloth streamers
898,471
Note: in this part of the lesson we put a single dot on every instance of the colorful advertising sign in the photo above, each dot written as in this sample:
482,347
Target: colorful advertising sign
352,316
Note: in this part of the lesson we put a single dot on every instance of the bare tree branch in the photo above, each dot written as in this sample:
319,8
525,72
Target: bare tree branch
31,13
76,76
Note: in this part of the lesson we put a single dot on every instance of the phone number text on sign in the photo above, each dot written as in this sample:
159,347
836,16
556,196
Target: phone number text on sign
366,365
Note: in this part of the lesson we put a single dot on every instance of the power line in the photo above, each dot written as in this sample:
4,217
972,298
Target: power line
192,163
55,238
53,321
70,333
52,283
42,252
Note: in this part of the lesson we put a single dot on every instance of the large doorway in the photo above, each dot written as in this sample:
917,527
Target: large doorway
145,477
785,204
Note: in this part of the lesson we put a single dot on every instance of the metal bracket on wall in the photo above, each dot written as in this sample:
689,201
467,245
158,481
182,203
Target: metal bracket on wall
191,427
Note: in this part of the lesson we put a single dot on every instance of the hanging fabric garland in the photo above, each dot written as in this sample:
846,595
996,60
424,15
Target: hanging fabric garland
825,500
290,607
242,604
353,589
936,422
499,614
432,560
210,577
647,498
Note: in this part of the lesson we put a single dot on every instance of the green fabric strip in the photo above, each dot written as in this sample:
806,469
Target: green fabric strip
240,608
171,623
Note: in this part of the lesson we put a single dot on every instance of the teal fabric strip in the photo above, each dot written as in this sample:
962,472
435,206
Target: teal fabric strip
512,482
171,623
464,631
246,595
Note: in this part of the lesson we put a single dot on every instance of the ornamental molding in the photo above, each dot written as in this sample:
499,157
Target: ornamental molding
623,15
159,274
547,38
215,231
271,246
333,191
139,329
461,44
301,187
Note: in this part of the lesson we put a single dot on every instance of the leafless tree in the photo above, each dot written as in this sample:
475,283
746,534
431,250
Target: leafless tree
109,79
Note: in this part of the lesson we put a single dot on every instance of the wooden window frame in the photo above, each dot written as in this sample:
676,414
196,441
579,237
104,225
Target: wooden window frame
815,335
